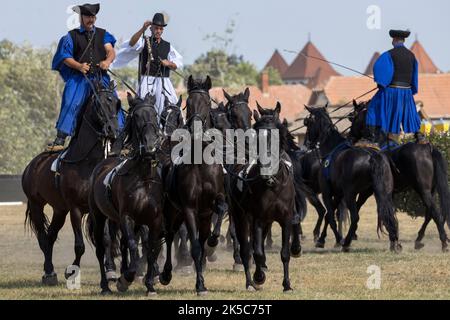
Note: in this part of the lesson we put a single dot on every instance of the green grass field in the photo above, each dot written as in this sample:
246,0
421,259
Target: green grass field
317,274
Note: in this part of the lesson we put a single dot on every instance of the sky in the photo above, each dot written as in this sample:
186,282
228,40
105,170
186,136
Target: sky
339,29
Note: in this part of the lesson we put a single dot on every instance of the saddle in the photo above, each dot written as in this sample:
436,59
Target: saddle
328,160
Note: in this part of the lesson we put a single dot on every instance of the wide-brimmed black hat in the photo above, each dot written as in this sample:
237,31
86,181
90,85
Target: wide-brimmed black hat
87,9
159,20
403,34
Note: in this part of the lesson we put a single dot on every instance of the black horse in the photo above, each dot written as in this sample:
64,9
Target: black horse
349,173
257,200
419,167
67,189
130,192
194,191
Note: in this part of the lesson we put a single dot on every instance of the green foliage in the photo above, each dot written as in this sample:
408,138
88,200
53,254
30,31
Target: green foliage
274,76
30,97
409,201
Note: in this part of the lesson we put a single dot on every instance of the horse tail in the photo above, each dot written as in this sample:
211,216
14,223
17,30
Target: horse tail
36,219
383,185
441,180
89,228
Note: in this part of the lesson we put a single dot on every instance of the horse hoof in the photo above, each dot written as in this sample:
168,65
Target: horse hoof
320,245
212,258
338,245
296,253
165,279
111,276
122,284
264,268
202,293
151,294
259,278
288,290
251,288
106,292
396,247
346,249
238,267
418,245
212,242
50,280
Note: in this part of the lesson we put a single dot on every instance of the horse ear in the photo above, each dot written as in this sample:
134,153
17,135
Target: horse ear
355,104
208,83
278,107
226,95
308,108
180,101
255,115
190,83
285,122
129,99
246,94
221,107
326,106
260,109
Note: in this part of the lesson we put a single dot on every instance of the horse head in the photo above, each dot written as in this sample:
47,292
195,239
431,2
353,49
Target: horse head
144,131
239,112
101,112
318,125
358,120
219,118
198,103
171,116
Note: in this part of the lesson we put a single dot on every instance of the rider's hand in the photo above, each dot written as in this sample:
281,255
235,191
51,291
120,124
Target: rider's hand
165,63
104,65
84,68
146,25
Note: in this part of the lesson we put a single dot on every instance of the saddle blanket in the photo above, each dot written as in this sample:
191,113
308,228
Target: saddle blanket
110,176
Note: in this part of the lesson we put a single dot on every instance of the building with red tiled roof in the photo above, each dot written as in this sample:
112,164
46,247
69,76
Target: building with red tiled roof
292,97
369,69
277,62
426,65
310,72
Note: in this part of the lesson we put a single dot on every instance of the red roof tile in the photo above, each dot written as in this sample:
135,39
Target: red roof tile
369,69
309,68
426,65
292,98
277,62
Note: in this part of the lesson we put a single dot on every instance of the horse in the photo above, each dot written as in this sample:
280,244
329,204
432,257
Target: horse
130,193
194,191
262,200
348,173
419,167
67,189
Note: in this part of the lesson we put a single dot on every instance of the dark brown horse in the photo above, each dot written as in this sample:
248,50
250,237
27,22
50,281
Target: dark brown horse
419,167
195,191
67,190
132,197
351,174
258,200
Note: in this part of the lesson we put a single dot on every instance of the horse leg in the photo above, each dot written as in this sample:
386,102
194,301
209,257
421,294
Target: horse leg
296,248
127,278
418,244
183,255
98,235
242,233
269,240
321,214
221,208
362,198
108,240
342,213
123,254
166,276
196,249
58,219
75,219
259,276
237,266
285,255
331,205
154,247
428,201
354,218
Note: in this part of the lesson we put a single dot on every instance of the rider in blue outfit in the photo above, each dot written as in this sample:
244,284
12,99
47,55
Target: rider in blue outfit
85,51
393,108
